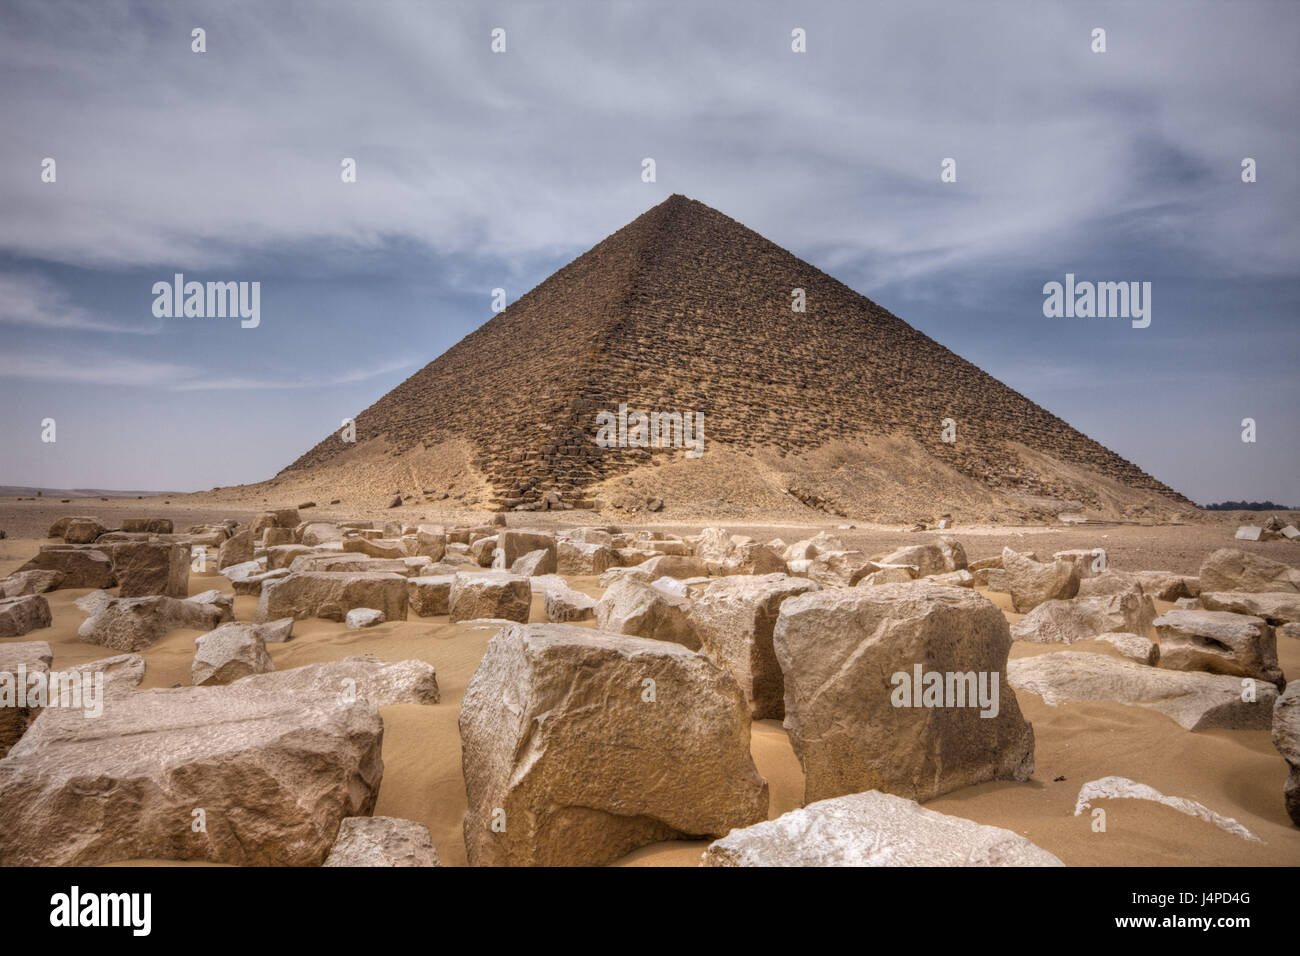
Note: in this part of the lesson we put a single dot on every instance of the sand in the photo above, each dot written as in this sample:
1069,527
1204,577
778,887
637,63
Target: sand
1235,773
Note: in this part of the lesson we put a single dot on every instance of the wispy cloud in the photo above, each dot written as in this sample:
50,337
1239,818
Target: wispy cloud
86,367
33,300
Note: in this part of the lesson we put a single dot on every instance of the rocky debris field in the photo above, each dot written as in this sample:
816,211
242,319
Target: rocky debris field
295,687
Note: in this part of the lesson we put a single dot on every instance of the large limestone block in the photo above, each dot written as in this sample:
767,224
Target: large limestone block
1082,619
1286,738
81,567
375,547
1276,607
1088,562
634,607
515,544
383,683
134,624
494,594
577,557
82,531
430,595
1032,582
227,653
581,745
148,525
236,549
330,595
725,554
1195,700
382,841
1220,643
151,567
1228,569
19,615
19,660
316,533
873,829
851,658
273,774
534,563
564,604
22,583
734,618
933,557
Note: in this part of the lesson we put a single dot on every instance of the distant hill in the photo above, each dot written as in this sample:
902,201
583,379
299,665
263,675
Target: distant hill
21,491
1248,506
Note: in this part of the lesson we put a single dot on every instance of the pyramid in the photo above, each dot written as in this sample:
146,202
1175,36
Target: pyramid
687,309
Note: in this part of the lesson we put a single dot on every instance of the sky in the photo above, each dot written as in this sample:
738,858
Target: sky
478,170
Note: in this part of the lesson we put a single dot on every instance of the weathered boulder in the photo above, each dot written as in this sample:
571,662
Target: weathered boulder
1167,586
22,583
1228,569
1195,700
430,595
534,563
841,651
18,662
316,533
734,618
82,531
60,526
19,615
873,829
493,594
515,544
1032,582
236,549
1286,738
934,557
897,574
148,525
360,618
375,547
272,775
483,551
143,568
1134,647
1219,643
382,683
634,607
581,558
382,841
134,624
81,567
1088,562
1082,619
331,595
227,653
725,554
1276,607
580,745
564,604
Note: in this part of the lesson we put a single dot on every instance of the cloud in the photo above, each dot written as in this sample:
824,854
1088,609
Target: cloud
34,300
103,368
837,149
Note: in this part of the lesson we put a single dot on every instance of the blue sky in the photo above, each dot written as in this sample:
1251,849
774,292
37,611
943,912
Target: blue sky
478,170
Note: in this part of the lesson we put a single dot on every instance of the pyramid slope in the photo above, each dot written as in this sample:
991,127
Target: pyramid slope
686,309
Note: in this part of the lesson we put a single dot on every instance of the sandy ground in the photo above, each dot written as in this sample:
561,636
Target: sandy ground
1235,773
